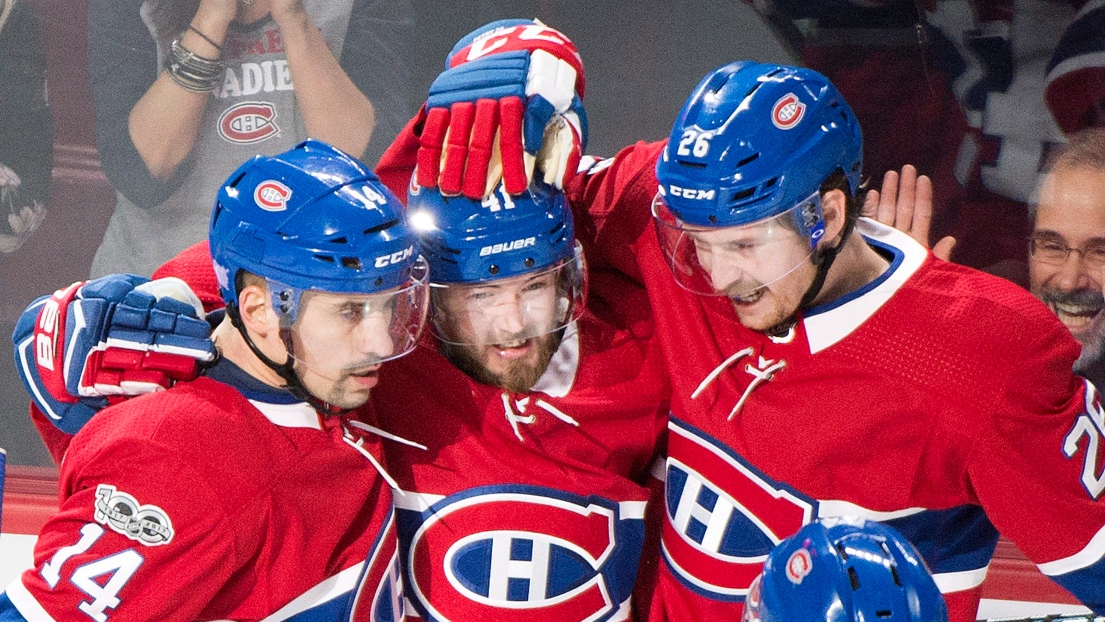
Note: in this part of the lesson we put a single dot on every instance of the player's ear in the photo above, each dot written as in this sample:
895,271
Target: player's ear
834,206
255,308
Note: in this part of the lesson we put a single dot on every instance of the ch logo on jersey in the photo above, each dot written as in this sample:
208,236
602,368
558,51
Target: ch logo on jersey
272,196
787,112
501,555
723,516
382,581
248,122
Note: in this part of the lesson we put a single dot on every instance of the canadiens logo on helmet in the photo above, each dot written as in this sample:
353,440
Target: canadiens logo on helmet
787,112
248,122
799,565
272,196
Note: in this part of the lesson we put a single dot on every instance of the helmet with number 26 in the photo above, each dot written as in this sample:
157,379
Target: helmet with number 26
845,570
749,153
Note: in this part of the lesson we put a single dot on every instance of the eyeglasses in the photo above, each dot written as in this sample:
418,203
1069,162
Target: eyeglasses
1055,253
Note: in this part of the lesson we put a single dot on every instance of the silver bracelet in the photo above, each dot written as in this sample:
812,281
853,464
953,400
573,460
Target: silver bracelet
193,72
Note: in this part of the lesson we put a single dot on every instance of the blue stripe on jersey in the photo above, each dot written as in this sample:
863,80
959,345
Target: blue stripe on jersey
951,540
1084,583
8,612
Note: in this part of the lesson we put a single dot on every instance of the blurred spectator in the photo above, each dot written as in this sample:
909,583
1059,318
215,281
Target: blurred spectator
187,89
26,130
957,88
1067,246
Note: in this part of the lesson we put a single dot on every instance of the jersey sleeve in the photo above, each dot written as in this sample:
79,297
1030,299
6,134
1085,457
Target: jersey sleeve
122,65
1037,468
138,535
610,200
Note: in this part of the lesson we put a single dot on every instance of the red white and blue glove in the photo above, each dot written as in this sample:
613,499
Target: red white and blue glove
510,100
93,343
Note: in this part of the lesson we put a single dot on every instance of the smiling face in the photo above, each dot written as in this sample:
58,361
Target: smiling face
764,268
1071,214
502,332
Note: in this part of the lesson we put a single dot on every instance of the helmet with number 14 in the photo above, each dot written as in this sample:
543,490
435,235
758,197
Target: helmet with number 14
330,249
754,155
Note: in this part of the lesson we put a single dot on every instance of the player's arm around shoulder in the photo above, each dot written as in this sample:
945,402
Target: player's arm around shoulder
149,524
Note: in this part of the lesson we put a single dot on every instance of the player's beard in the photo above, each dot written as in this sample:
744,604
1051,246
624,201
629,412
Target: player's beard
519,376
1070,305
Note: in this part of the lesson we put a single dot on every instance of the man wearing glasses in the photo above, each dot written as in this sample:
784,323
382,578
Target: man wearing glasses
1066,267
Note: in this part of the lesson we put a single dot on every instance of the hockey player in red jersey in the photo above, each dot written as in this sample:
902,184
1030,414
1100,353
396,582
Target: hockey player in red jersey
823,365
249,493
540,416
837,368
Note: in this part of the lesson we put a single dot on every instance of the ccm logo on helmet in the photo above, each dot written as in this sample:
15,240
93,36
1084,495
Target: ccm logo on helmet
503,247
787,112
272,196
691,193
384,261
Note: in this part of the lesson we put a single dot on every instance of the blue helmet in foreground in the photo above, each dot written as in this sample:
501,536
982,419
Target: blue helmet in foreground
845,570
755,140
312,218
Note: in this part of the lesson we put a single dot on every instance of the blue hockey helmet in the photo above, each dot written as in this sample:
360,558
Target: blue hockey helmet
471,243
315,219
311,218
845,570
755,140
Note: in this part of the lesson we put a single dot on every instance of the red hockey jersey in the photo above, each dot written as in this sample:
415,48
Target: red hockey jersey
217,499
937,399
529,506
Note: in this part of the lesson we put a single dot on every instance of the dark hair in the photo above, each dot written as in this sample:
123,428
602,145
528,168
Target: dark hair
171,17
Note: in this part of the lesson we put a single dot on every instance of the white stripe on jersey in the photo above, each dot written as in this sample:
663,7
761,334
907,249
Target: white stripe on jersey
26,604
959,581
1088,556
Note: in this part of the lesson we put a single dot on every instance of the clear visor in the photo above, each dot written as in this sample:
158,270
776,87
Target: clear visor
335,334
737,261
512,309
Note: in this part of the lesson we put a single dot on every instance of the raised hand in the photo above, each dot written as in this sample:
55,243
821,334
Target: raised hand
905,203
509,101
116,336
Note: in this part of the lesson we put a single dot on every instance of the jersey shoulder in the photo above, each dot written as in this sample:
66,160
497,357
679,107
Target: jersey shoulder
205,426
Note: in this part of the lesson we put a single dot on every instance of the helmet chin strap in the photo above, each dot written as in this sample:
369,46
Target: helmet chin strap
823,260
285,370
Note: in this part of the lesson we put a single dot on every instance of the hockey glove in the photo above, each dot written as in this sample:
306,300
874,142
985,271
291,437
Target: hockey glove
510,99
94,342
